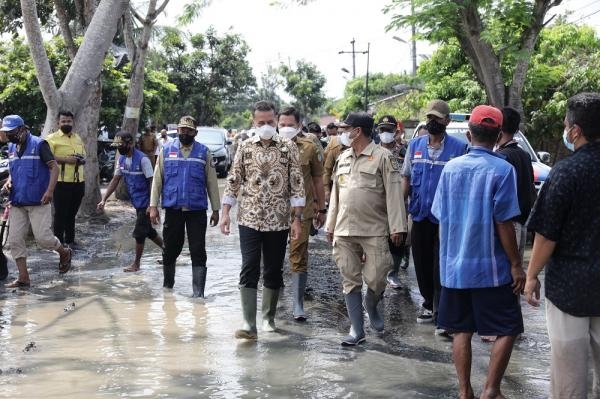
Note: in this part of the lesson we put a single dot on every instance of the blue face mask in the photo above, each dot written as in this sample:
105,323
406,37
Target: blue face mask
570,146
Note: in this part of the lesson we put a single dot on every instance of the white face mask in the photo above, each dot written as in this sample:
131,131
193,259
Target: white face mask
266,132
386,137
345,139
288,132
570,146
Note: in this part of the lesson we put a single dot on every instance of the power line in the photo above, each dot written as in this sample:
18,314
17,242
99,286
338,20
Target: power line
586,16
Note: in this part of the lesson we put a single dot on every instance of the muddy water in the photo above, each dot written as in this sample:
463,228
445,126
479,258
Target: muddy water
99,332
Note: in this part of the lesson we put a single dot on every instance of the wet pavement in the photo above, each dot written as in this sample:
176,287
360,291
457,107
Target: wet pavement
99,332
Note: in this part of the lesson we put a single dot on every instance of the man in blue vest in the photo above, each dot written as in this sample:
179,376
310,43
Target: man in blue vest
185,178
136,168
33,176
425,159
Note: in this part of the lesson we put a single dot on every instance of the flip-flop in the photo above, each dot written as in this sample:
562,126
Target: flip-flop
17,284
65,266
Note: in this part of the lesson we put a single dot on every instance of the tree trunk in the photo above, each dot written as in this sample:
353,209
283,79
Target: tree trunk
80,92
86,122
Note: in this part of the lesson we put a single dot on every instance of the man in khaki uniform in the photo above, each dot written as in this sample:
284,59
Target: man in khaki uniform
366,207
332,152
311,163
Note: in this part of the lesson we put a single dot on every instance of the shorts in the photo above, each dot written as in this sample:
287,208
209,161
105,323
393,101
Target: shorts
487,311
143,228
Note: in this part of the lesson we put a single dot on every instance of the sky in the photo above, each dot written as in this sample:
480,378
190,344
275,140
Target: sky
318,31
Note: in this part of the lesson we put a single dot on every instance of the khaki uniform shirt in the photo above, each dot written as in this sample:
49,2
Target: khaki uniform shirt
311,163
332,152
269,181
210,176
313,137
63,145
366,199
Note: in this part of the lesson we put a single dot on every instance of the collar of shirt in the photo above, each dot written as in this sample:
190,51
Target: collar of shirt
368,150
509,143
441,143
478,149
60,133
256,138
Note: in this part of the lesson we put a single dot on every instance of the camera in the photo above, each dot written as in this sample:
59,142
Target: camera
80,159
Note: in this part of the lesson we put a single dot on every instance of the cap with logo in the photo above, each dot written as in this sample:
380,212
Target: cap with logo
387,120
122,138
358,119
487,116
11,122
438,108
187,121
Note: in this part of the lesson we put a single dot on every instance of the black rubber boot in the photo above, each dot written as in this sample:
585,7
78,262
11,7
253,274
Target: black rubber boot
198,281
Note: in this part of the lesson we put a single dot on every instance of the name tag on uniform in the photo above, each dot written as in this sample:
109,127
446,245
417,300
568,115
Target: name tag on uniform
172,155
418,154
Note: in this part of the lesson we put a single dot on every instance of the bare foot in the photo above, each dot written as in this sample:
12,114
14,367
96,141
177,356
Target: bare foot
132,268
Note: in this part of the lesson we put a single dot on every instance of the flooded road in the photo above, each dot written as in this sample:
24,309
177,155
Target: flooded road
99,332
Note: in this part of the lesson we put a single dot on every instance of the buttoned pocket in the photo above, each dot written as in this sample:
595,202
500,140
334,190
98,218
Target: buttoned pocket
368,179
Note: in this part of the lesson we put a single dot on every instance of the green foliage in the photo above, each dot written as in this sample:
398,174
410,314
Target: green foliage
566,62
21,94
305,84
237,120
380,86
208,71
449,76
11,20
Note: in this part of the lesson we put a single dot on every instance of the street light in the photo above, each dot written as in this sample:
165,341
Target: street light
345,70
413,52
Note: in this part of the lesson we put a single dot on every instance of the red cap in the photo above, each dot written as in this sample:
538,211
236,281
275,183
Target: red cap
485,115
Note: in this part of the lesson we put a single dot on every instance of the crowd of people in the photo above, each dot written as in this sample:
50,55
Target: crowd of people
462,210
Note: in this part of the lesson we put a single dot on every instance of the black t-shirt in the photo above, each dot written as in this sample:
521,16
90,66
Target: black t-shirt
521,161
45,152
568,212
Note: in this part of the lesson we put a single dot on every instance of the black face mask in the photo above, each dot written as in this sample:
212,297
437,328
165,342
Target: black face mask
435,128
13,137
123,149
66,129
185,139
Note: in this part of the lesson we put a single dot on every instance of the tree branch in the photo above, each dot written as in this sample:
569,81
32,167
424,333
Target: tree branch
159,10
65,29
137,15
33,30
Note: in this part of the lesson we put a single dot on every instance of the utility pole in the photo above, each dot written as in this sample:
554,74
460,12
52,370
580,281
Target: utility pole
353,52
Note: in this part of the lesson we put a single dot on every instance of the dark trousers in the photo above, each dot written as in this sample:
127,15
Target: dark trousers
271,245
426,255
177,222
67,198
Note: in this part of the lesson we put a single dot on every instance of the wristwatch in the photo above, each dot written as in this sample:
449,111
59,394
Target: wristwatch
300,216
323,211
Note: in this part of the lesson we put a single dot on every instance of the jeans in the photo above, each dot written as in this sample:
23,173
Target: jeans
271,245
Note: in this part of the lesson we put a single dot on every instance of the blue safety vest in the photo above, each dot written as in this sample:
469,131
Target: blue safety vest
425,173
136,181
29,174
184,181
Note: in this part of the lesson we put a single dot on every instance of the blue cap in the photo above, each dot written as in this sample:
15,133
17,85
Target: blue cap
11,122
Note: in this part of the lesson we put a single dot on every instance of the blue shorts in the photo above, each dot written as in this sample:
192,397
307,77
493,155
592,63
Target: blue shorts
487,311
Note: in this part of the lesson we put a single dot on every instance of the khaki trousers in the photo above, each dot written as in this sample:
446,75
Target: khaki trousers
571,340
40,219
347,252
299,249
